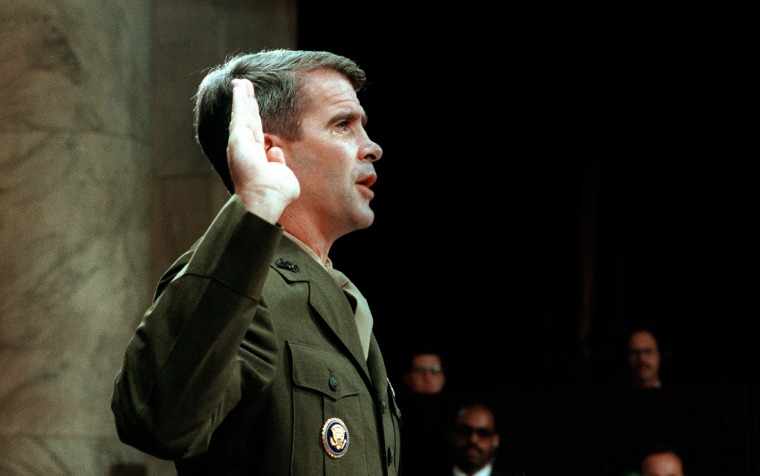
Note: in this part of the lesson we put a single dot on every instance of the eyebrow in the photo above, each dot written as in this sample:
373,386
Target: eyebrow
351,115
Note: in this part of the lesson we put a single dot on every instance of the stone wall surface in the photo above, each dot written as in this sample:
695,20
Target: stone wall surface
101,187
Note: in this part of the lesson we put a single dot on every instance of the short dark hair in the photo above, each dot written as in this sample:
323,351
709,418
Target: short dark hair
474,401
411,353
276,76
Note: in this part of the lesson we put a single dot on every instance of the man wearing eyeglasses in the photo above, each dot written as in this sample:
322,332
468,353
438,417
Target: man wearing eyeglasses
644,359
423,401
475,442
425,374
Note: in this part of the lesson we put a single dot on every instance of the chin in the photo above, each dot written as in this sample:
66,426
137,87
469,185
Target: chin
365,219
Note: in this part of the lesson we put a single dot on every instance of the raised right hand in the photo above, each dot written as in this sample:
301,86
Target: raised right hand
262,180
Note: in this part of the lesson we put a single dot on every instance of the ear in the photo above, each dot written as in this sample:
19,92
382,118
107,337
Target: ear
277,149
272,140
496,441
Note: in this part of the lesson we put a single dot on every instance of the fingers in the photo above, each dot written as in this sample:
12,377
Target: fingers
275,154
245,109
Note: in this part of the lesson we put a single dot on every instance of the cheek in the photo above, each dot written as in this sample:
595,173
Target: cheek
322,165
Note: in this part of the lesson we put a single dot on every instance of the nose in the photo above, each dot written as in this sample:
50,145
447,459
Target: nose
371,152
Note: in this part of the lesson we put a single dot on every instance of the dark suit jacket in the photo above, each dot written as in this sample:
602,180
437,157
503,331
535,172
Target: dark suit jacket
494,472
425,449
248,351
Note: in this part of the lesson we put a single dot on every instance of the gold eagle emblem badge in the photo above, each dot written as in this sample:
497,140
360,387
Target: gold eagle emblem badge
335,437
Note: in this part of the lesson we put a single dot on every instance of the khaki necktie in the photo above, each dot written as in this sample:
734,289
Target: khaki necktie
362,314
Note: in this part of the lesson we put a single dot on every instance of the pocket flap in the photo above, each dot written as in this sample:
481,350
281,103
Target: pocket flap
326,372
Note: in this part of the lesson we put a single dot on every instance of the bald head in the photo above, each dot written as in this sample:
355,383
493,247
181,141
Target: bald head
666,463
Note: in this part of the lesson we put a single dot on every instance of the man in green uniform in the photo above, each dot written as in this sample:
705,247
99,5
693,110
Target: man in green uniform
257,356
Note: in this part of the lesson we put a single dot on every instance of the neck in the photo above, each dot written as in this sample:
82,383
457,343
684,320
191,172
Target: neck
308,235
652,383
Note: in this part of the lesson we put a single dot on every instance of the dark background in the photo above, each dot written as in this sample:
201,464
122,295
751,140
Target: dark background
550,181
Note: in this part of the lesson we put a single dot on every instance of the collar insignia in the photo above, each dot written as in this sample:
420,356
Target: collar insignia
281,263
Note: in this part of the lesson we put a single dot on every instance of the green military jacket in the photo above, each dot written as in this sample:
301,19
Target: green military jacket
249,362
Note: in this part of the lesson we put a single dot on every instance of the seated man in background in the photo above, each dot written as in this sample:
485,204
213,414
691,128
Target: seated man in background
425,373
423,400
644,360
475,442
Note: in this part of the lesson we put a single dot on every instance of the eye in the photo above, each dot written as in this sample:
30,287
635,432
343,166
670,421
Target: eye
342,125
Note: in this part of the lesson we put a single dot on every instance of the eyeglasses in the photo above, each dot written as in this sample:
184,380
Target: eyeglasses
466,431
435,370
645,351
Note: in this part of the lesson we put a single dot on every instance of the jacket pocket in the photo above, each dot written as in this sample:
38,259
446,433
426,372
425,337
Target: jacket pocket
327,401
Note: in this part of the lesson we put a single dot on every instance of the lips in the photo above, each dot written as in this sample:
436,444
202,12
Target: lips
365,183
368,180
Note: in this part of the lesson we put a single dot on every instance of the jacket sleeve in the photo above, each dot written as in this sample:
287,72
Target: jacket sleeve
184,368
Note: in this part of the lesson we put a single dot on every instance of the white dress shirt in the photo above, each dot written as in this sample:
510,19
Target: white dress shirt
486,471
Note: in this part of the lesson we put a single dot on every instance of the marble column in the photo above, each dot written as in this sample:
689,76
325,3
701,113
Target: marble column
101,187
75,109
